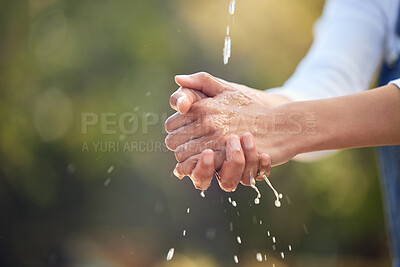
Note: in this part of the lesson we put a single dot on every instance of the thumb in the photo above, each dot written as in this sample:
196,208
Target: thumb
183,99
204,82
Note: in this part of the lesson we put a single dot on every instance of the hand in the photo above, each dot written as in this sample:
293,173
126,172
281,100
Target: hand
184,98
205,85
211,120
242,162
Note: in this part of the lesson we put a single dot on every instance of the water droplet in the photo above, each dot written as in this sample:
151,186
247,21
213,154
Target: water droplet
232,7
211,233
107,181
259,257
253,185
265,257
282,255
170,254
230,200
184,233
227,49
236,259
202,194
305,228
274,239
110,169
288,199
188,210
277,202
234,203
227,30
268,233
280,196
260,221
239,240
290,248
122,137
71,168
231,226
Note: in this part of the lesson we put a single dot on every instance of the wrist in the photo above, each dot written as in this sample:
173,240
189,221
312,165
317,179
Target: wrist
296,125
270,99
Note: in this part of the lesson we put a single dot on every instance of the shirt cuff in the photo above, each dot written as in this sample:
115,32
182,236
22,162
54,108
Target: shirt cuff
292,94
396,82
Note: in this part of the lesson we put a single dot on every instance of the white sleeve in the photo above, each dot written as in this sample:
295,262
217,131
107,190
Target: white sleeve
350,39
396,82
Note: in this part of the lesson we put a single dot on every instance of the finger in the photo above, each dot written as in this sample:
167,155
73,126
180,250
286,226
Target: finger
264,166
183,99
196,146
204,170
177,120
251,158
186,167
204,82
232,168
186,133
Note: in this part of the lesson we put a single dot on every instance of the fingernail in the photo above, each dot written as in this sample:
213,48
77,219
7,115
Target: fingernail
264,160
177,174
208,159
248,142
180,99
235,144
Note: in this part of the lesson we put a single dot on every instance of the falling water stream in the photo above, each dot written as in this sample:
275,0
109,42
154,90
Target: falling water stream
227,43
278,196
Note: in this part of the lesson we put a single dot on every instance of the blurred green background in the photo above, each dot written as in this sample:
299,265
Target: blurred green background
64,204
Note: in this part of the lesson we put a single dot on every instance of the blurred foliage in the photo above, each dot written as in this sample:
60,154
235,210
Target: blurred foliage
61,205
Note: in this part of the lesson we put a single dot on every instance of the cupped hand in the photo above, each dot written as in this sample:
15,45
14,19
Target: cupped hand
242,162
204,85
200,85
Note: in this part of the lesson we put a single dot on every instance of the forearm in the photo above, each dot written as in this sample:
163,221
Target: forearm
350,38
370,118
